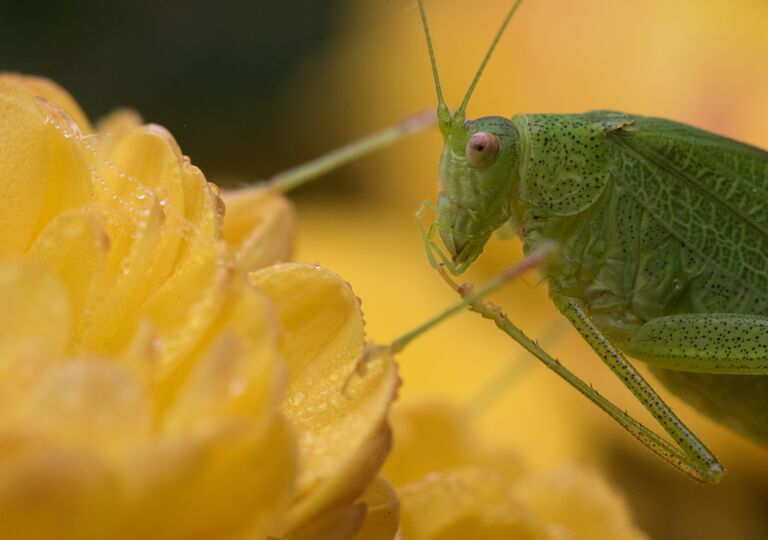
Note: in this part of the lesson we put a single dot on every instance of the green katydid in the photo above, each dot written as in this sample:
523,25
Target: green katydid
657,234
651,234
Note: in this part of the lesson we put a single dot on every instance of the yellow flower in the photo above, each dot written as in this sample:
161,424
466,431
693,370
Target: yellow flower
160,376
453,485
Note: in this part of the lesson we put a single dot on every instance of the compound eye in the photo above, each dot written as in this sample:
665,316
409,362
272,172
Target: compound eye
482,149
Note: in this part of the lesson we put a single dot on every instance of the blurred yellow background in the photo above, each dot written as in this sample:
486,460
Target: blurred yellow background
698,62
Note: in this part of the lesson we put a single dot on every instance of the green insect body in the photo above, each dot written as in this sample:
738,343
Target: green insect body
661,235
662,232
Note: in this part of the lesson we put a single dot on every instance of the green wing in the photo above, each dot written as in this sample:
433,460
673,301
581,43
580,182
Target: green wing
708,191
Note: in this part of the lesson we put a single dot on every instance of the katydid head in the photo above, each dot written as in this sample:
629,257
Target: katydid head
477,168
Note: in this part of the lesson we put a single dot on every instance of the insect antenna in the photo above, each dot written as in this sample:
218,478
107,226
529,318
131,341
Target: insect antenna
460,113
443,114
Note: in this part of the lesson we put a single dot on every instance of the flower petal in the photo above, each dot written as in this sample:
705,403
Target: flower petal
260,226
119,121
383,516
48,492
35,312
221,487
93,406
35,327
236,373
579,501
338,411
473,502
337,524
76,246
224,403
435,435
42,87
41,170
